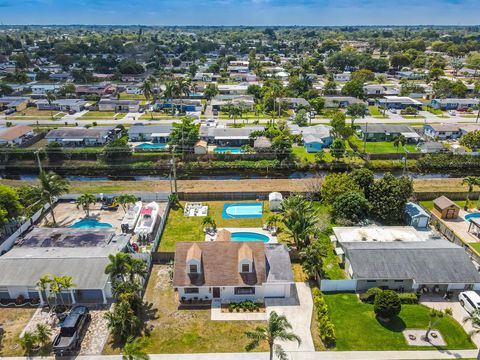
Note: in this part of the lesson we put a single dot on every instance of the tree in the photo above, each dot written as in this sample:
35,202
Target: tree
278,328
43,334
337,149
318,104
209,221
52,186
353,88
355,111
339,127
67,89
388,197
272,220
312,259
474,320
9,203
27,342
435,73
210,91
146,87
301,118
364,178
50,97
122,321
336,184
351,207
116,150
134,349
84,201
54,151
118,267
470,181
125,199
399,141
184,135
363,75
471,140
473,62
387,304
299,218
434,317
183,89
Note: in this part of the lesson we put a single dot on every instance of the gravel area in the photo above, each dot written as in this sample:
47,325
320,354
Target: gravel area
415,338
97,333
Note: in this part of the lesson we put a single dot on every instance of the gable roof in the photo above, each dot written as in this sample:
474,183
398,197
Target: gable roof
443,202
14,132
415,210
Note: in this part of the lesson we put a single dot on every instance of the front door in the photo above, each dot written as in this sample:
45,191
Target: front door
216,292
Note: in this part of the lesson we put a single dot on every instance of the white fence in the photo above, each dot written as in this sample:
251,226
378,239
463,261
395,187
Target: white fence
8,243
338,285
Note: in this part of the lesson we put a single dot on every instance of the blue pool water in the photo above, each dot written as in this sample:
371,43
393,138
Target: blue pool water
249,236
151,146
224,150
239,211
472,216
90,224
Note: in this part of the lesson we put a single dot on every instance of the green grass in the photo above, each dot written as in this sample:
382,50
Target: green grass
429,204
470,116
376,112
125,96
475,246
101,114
413,116
381,147
358,329
432,110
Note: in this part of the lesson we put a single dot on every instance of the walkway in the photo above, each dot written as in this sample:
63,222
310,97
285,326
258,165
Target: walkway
298,311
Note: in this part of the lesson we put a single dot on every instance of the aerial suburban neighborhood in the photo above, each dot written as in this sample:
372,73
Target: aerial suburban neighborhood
239,192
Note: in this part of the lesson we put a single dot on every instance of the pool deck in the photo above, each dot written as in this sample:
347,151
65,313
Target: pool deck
460,227
272,239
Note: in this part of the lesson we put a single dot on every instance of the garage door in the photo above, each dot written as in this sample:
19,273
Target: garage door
275,291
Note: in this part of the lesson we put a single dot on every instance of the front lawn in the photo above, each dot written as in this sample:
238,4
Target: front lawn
358,329
377,113
101,115
12,323
381,147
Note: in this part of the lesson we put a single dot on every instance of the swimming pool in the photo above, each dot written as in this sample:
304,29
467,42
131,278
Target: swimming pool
90,224
239,211
249,236
151,146
472,216
224,150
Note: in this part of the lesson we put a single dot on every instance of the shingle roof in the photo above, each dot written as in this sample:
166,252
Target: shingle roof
443,202
14,132
79,132
427,262
385,128
279,268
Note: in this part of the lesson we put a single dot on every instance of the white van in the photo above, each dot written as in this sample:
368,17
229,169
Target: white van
470,300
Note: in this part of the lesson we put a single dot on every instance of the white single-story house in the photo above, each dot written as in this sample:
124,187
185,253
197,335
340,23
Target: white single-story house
42,89
79,137
454,104
398,102
119,105
15,135
442,131
153,133
66,105
231,271
345,76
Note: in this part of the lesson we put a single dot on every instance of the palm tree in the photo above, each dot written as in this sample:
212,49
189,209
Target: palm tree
169,93
119,266
272,220
399,140
209,221
183,89
50,97
474,320
43,334
52,186
64,283
122,321
124,200
134,349
147,90
434,317
137,267
84,201
470,181
43,284
277,329
27,342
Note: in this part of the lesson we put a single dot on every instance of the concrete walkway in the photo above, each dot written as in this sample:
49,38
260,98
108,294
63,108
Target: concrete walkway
298,310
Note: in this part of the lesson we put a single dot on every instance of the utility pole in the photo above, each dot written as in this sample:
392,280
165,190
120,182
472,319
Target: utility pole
365,138
173,170
37,153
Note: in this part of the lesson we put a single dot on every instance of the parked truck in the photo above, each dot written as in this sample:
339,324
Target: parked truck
70,336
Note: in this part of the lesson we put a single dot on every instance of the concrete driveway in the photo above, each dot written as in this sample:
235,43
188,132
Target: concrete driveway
459,313
298,310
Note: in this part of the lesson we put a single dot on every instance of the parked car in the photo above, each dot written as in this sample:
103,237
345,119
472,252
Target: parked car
9,111
71,112
463,110
393,111
452,113
470,300
70,336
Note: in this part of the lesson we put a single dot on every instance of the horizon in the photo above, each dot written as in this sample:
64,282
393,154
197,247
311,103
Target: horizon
223,13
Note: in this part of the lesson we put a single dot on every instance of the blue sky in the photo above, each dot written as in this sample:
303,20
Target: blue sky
241,12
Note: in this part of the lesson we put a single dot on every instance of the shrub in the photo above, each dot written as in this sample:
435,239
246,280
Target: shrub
325,324
246,305
370,294
408,298
387,304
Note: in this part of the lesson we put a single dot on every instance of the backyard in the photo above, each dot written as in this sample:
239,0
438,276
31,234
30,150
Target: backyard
358,329
12,322
186,331
381,147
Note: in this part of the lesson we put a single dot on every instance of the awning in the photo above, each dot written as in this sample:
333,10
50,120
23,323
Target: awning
232,138
411,135
160,134
72,140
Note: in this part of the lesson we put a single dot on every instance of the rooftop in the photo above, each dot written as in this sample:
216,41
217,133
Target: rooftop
379,234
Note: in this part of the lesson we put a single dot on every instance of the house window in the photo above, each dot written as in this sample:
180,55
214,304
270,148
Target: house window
193,269
191,291
398,281
244,291
371,281
245,268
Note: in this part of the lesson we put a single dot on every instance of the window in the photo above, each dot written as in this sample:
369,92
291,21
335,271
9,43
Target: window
398,280
244,291
371,281
245,268
191,291
193,269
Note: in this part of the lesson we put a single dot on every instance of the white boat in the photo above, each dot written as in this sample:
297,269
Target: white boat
147,220
131,216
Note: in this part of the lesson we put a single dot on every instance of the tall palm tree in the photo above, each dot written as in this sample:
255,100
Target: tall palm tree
43,284
209,221
183,89
52,186
50,97
119,266
134,349
470,181
277,329
124,200
137,267
84,201
146,87
170,92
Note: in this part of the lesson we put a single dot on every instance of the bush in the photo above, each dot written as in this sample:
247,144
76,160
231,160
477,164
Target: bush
387,304
325,324
370,294
408,298
246,305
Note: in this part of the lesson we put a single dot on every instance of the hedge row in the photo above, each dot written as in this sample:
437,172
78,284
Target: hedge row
325,324
405,298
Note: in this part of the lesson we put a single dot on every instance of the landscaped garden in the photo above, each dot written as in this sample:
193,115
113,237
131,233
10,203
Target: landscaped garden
357,328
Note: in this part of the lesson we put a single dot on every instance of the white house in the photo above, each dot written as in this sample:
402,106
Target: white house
231,271
62,105
42,89
345,76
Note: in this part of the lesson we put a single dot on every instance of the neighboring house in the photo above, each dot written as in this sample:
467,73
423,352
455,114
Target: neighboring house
445,208
316,138
233,89
219,102
60,77
79,137
118,105
454,104
345,76
467,128
262,144
187,105
15,135
293,103
98,89
42,89
238,69
65,105
442,131
398,102
154,133
341,101
205,77
431,147
226,136
200,148
410,75
19,103
68,255
416,216
244,271
377,90
242,77
388,132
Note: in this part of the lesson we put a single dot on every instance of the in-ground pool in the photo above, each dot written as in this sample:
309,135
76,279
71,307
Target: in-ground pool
468,217
249,236
239,211
90,224
151,146
224,150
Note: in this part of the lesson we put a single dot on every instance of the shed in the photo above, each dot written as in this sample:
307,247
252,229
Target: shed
416,216
275,201
262,144
200,148
445,208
